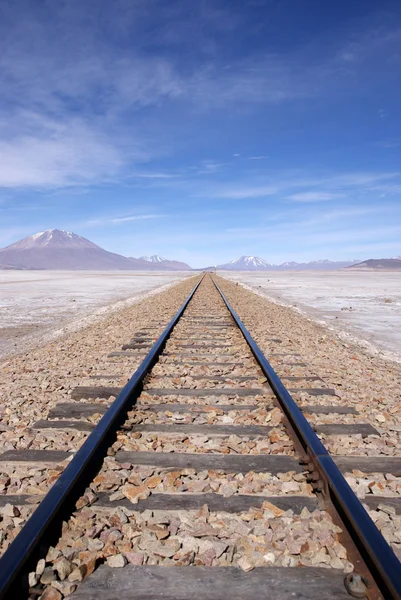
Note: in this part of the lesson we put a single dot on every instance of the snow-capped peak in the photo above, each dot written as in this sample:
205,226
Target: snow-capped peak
255,263
153,259
246,263
250,261
53,238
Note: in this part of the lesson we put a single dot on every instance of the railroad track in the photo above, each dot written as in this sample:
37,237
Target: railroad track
201,476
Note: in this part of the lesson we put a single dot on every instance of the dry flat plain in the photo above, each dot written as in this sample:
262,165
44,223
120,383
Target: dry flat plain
364,304
36,305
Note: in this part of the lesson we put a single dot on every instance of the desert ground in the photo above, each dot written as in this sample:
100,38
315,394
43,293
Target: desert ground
363,305
36,306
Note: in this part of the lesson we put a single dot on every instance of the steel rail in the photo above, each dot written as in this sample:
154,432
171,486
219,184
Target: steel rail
32,541
381,561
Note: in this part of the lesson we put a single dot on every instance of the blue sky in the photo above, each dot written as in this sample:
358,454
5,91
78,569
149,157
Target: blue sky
203,130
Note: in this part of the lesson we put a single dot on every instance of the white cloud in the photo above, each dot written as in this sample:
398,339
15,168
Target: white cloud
392,189
301,188
313,196
345,232
391,143
49,153
135,218
361,179
153,175
102,221
238,193
302,223
207,167
257,157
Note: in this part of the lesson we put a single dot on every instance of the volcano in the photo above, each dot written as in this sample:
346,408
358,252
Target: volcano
56,249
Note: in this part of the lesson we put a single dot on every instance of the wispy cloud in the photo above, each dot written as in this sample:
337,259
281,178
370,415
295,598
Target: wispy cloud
135,218
395,143
339,231
152,175
359,179
118,220
314,196
304,187
208,167
49,153
308,222
257,157
391,189
234,192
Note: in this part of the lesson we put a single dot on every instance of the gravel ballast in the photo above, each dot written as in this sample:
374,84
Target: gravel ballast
34,382
369,383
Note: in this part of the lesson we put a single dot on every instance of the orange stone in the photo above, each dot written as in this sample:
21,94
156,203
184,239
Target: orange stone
154,481
89,560
172,476
135,493
273,508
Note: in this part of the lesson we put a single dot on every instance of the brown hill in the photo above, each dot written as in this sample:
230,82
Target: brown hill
379,264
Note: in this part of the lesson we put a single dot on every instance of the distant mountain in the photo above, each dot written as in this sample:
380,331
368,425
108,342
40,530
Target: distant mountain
379,263
255,263
56,249
153,259
246,263
316,265
164,263
52,238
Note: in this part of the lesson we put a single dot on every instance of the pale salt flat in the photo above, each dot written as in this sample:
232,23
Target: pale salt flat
363,304
36,306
